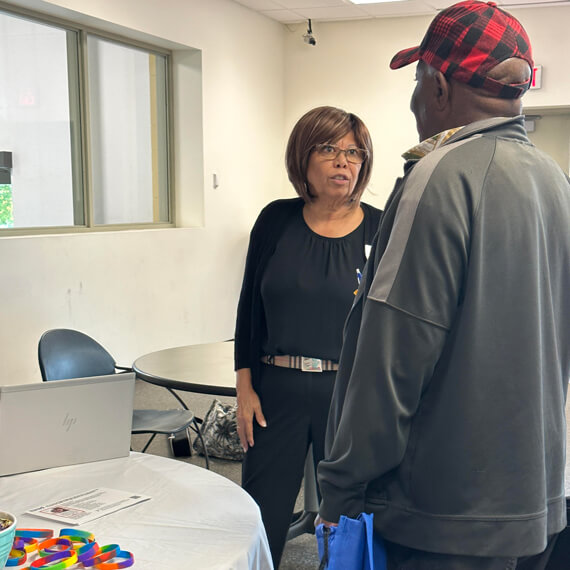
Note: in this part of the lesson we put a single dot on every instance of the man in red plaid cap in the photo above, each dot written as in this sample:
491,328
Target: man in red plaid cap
447,421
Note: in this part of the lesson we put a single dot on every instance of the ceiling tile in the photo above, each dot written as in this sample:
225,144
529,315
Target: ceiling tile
284,16
390,9
307,4
333,13
291,11
261,5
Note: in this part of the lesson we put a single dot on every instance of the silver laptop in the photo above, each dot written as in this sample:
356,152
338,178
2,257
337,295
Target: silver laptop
64,422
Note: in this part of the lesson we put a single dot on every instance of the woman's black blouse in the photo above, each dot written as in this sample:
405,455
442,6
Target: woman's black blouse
308,288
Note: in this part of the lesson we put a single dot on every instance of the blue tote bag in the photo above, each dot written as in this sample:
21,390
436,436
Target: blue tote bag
351,545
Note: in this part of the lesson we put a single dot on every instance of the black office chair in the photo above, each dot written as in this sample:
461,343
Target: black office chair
66,353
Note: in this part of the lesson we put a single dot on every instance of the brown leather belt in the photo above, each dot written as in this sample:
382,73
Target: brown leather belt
304,363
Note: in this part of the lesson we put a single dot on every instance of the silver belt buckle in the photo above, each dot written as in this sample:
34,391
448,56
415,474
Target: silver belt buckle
309,364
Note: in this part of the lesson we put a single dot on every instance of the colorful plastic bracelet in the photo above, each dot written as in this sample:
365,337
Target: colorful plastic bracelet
34,532
105,553
17,556
63,552
87,551
77,541
129,560
73,532
25,543
46,547
68,558
18,543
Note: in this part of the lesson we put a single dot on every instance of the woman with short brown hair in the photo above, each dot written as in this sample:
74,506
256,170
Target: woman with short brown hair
303,267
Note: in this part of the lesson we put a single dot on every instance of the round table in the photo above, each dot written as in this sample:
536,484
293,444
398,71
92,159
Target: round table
202,368
194,519
209,369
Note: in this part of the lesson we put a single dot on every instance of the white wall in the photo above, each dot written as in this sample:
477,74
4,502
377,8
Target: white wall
349,67
144,290
552,135
137,291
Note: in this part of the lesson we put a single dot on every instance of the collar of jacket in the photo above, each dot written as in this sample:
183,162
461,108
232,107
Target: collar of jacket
513,125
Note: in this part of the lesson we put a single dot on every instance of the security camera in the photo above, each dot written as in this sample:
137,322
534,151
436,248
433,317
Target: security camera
309,39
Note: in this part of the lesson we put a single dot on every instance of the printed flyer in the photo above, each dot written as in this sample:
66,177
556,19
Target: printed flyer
88,506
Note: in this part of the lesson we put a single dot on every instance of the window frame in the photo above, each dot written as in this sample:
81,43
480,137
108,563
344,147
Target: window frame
81,161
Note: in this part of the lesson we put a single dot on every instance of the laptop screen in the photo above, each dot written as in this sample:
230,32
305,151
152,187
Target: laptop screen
64,422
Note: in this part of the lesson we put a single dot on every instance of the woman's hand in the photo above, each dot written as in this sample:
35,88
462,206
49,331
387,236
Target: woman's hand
249,407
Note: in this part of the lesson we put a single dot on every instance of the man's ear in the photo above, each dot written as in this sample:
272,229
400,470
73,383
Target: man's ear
442,89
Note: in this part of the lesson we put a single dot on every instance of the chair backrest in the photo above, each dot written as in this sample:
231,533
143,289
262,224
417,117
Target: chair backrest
66,353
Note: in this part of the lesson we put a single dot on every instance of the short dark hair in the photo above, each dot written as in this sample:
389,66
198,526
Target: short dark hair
325,125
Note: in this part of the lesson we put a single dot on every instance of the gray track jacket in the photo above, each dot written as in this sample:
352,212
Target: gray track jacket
447,420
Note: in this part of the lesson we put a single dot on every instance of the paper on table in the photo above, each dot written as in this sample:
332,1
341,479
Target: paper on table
87,506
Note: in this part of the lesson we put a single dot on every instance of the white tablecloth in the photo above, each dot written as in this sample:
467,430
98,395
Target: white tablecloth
195,520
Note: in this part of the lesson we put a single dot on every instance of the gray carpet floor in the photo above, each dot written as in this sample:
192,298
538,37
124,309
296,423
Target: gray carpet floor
301,552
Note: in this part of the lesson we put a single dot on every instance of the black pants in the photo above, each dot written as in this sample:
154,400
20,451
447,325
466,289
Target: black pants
404,558
295,405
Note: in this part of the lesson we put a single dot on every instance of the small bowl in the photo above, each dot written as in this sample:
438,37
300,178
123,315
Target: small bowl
6,538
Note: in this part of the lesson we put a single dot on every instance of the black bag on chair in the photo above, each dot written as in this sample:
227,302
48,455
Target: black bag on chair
219,430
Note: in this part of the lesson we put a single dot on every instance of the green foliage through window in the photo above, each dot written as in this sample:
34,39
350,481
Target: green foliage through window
6,211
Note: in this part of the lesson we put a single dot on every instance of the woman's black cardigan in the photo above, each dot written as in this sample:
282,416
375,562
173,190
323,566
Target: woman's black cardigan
250,321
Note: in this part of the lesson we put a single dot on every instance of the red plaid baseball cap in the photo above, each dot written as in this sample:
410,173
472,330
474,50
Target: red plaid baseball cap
466,40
